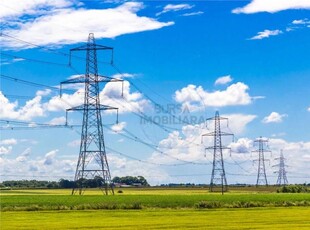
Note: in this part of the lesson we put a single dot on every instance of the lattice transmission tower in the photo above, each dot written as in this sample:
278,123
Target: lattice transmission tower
92,161
262,149
282,179
218,176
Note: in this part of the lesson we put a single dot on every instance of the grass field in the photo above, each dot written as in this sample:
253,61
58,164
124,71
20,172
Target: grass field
154,208
257,218
35,200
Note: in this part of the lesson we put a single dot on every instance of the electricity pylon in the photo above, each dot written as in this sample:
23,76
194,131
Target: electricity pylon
282,179
92,162
261,173
218,176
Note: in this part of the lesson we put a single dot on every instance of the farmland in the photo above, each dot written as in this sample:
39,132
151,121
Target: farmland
155,208
262,218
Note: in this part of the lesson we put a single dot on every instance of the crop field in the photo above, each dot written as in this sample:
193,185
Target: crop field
154,209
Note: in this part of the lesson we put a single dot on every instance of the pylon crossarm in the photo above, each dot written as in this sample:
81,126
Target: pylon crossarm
216,147
208,134
83,79
100,107
108,79
216,118
91,47
226,134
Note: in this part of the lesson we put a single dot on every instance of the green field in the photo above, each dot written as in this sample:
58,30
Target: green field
262,218
154,209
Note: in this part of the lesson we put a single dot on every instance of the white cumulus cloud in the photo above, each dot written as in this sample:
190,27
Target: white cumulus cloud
223,80
49,28
117,128
175,7
11,141
5,150
196,98
11,110
193,13
14,8
266,34
256,6
274,117
49,158
57,121
242,145
238,122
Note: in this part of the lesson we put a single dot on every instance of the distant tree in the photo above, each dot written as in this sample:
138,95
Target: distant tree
131,180
63,183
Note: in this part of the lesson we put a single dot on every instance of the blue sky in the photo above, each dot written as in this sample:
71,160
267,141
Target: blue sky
247,59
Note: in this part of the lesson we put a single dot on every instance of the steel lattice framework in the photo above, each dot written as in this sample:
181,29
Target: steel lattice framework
218,176
282,179
92,162
261,173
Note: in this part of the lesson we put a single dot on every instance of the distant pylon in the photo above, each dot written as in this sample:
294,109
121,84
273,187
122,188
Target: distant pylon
261,173
218,176
92,162
282,179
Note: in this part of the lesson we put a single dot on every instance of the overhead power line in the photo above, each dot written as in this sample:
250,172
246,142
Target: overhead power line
22,125
34,60
28,82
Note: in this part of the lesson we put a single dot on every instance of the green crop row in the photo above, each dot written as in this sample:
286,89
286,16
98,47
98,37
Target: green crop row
68,202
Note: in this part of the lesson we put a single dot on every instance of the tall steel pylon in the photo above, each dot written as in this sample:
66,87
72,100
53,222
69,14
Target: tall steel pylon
261,173
218,176
92,161
282,179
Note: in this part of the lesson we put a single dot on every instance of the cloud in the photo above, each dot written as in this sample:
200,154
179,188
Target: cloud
5,150
16,8
74,143
49,158
57,121
294,25
117,128
309,109
32,108
113,94
238,122
124,75
125,101
180,146
187,144
48,167
121,166
52,167
64,102
175,7
266,34
295,152
257,6
281,134
11,141
223,80
274,117
48,28
243,145
301,22
23,157
45,92
196,98
193,13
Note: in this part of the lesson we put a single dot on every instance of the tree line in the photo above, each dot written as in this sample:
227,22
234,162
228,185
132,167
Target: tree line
64,183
